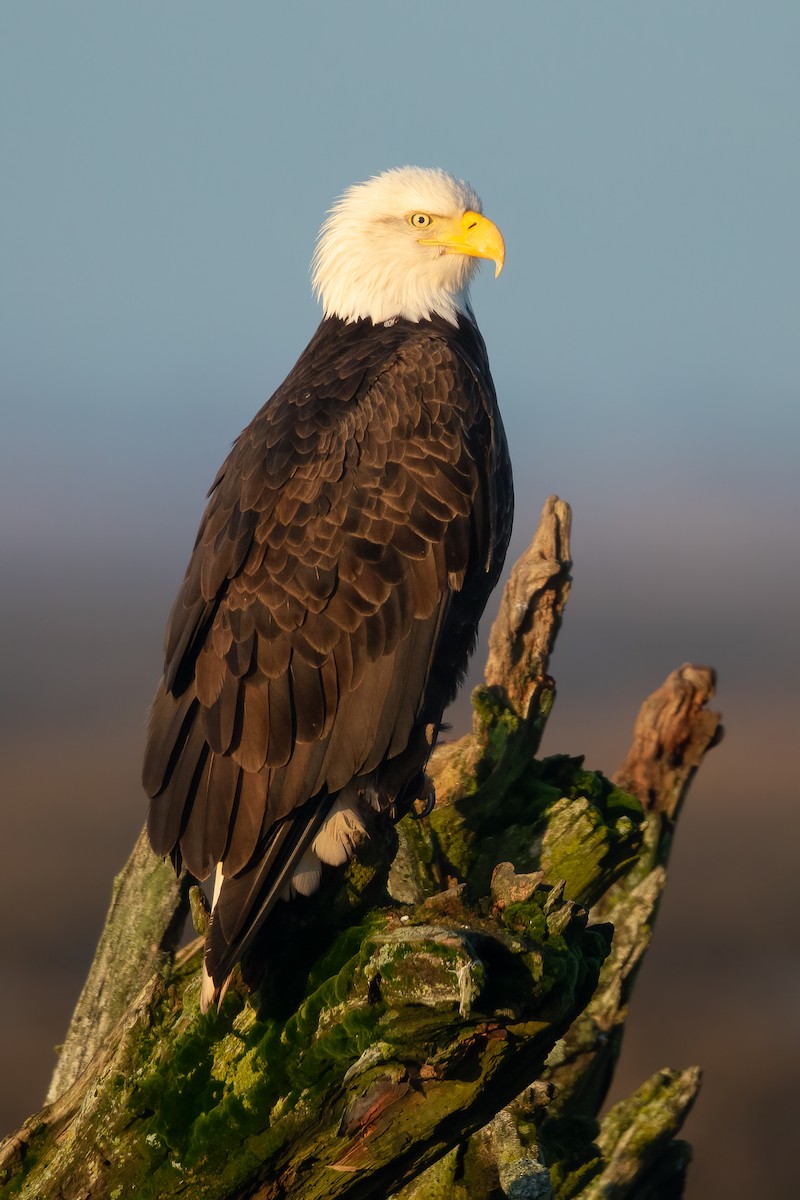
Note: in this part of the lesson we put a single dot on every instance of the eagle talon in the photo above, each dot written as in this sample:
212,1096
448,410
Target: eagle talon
428,798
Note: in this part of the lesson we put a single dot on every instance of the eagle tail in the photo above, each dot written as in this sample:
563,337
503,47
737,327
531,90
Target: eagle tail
243,902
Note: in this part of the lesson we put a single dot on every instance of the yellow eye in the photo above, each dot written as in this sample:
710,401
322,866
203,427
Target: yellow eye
420,220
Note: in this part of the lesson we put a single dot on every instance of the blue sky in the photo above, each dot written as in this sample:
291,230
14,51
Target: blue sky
165,169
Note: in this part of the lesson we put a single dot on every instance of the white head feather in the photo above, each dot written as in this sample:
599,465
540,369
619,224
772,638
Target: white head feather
369,261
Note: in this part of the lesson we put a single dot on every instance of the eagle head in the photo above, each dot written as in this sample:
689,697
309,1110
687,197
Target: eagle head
404,244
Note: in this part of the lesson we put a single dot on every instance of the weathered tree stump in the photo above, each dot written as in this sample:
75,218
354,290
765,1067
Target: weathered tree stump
441,1020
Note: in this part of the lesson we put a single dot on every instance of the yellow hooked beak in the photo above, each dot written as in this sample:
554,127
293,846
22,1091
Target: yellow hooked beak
471,234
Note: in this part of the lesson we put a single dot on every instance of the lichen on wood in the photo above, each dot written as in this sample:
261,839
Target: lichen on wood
141,931
442,1019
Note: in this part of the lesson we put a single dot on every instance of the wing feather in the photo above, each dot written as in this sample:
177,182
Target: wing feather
251,753
282,730
336,565
247,819
221,716
185,782
170,719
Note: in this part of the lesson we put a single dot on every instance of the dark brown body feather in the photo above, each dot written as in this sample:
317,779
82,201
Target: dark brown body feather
350,543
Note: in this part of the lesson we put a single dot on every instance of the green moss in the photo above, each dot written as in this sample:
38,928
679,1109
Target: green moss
212,1097
592,834
569,776
226,1075
527,917
31,1156
632,1141
498,724
563,957
574,823
574,1158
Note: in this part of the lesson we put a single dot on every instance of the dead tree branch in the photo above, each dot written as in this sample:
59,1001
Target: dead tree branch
444,1028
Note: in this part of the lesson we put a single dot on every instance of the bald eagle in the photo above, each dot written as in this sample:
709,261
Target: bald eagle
350,543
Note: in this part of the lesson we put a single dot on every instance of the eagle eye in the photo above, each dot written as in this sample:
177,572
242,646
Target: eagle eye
420,220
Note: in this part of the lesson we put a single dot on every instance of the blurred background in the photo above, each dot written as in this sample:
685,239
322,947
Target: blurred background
165,170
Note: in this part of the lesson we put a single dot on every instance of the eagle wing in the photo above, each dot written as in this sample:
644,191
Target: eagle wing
316,629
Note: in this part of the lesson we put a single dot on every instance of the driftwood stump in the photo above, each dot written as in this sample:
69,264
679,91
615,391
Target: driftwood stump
442,1019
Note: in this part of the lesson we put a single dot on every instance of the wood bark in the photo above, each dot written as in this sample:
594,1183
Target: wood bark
442,1019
